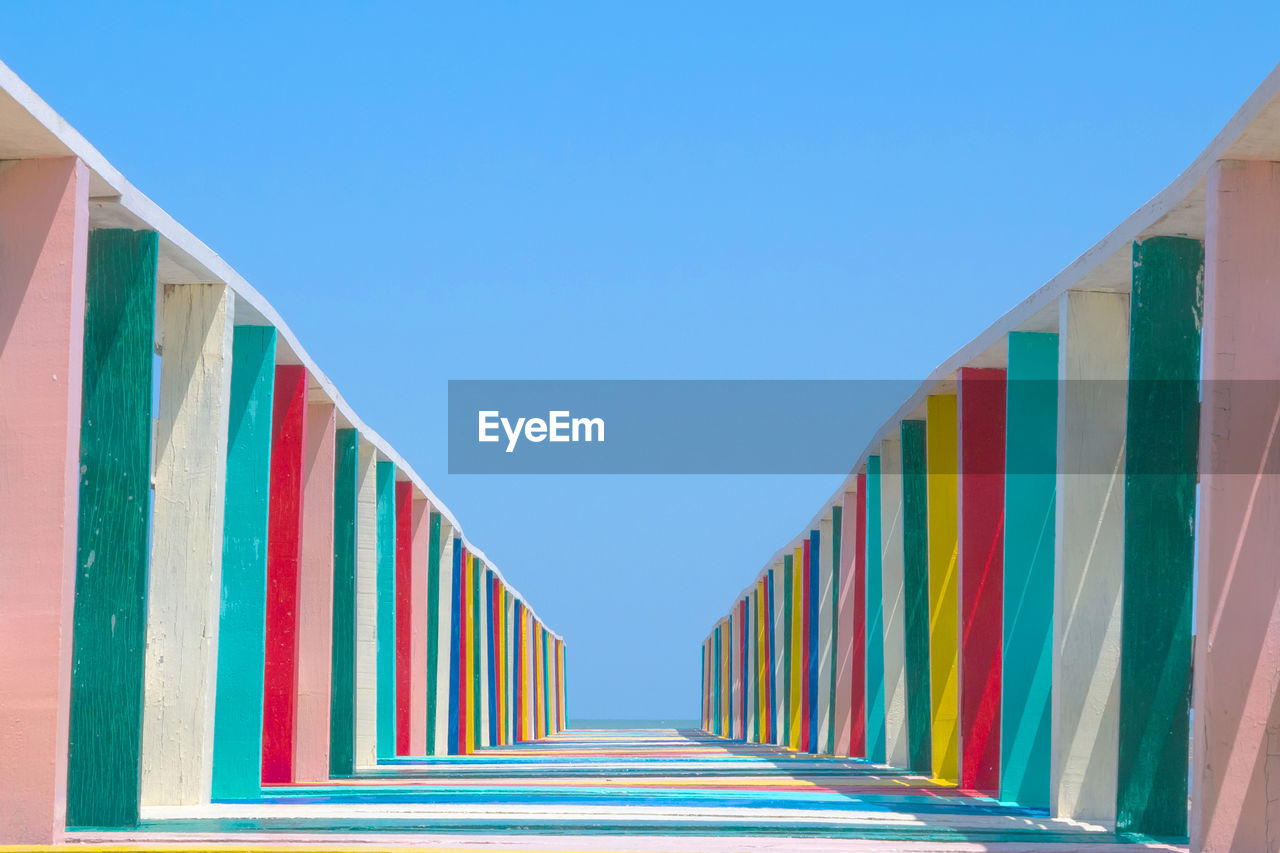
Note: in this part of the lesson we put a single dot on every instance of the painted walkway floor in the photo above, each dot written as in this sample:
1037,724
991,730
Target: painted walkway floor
644,789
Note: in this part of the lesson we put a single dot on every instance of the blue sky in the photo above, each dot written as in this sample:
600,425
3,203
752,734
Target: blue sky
646,190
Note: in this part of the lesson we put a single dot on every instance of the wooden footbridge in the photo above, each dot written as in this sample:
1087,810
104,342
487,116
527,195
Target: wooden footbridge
1042,613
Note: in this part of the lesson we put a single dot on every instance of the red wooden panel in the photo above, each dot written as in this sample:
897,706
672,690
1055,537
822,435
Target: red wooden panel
806,736
284,540
982,428
858,704
404,614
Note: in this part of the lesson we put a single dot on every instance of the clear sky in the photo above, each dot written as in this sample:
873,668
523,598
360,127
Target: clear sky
640,190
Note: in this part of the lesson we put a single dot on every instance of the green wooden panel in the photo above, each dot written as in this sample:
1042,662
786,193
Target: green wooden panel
1031,448
386,610
835,626
1161,440
237,731
876,745
433,632
111,545
915,545
342,692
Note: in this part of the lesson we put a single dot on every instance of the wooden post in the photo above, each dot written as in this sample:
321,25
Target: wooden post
778,644
796,659
438,662
418,676
826,637
1093,364
342,697
387,541
809,561
858,645
1159,534
944,584
404,616
315,597
846,640
1031,447
875,616
284,555
105,734
981,402
44,232
897,745
366,754
237,726
185,577
915,544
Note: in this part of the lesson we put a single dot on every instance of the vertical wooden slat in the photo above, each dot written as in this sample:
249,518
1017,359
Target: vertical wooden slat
44,230
981,401
111,558
418,675
1159,522
944,585
834,632
237,730
342,696
1093,365
876,747
404,615
315,598
386,609
185,578
858,705
284,554
915,579
366,606
1031,446
897,742
1236,787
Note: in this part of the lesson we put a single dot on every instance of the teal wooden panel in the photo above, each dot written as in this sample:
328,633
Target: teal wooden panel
237,728
386,607
1031,448
875,619
111,544
342,689
1161,442
915,545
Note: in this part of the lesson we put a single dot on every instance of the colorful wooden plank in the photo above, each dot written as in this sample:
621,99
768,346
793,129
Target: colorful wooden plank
892,568
915,580
237,731
1161,444
44,229
778,710
315,598
111,556
387,543
184,581
404,615
284,555
419,676
944,584
876,747
858,630
793,663
342,695
814,671
981,402
366,606
831,602
1093,364
1237,653
1031,446
445,653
